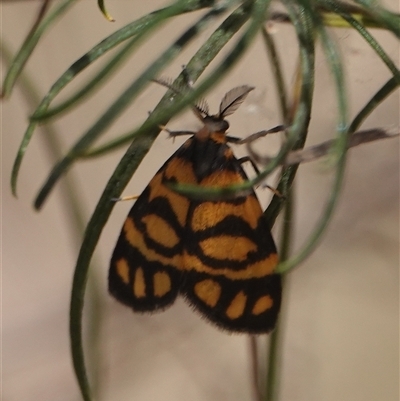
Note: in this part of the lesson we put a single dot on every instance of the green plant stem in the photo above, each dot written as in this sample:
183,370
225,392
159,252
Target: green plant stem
275,345
206,54
388,88
134,28
299,122
73,206
122,102
340,151
360,28
386,18
144,27
20,59
276,66
274,361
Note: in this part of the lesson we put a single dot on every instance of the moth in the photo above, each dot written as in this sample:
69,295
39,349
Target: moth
219,255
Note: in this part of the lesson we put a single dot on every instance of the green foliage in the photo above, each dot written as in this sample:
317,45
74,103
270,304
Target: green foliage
246,19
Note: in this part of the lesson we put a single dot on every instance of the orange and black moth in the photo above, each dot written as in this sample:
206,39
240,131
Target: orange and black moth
219,255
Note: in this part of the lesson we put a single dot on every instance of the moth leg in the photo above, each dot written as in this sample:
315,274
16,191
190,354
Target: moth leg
253,137
233,139
260,134
250,160
256,169
173,134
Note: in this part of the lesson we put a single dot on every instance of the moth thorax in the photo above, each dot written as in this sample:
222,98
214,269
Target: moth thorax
216,124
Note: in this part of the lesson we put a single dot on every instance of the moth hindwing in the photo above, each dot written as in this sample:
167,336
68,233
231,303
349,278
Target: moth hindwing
219,255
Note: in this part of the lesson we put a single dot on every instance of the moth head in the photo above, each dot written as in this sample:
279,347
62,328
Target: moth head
215,124
229,104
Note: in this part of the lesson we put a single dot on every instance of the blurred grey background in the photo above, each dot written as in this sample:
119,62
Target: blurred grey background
341,331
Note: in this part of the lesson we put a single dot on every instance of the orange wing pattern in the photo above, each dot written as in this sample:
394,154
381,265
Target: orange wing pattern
219,255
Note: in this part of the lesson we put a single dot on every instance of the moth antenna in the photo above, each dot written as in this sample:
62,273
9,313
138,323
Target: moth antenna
200,108
233,99
169,83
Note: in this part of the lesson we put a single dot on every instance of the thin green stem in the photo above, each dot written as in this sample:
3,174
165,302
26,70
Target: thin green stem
271,382
144,29
122,102
275,344
388,88
274,361
360,28
73,205
132,29
277,72
29,45
207,52
387,19
340,153
305,35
